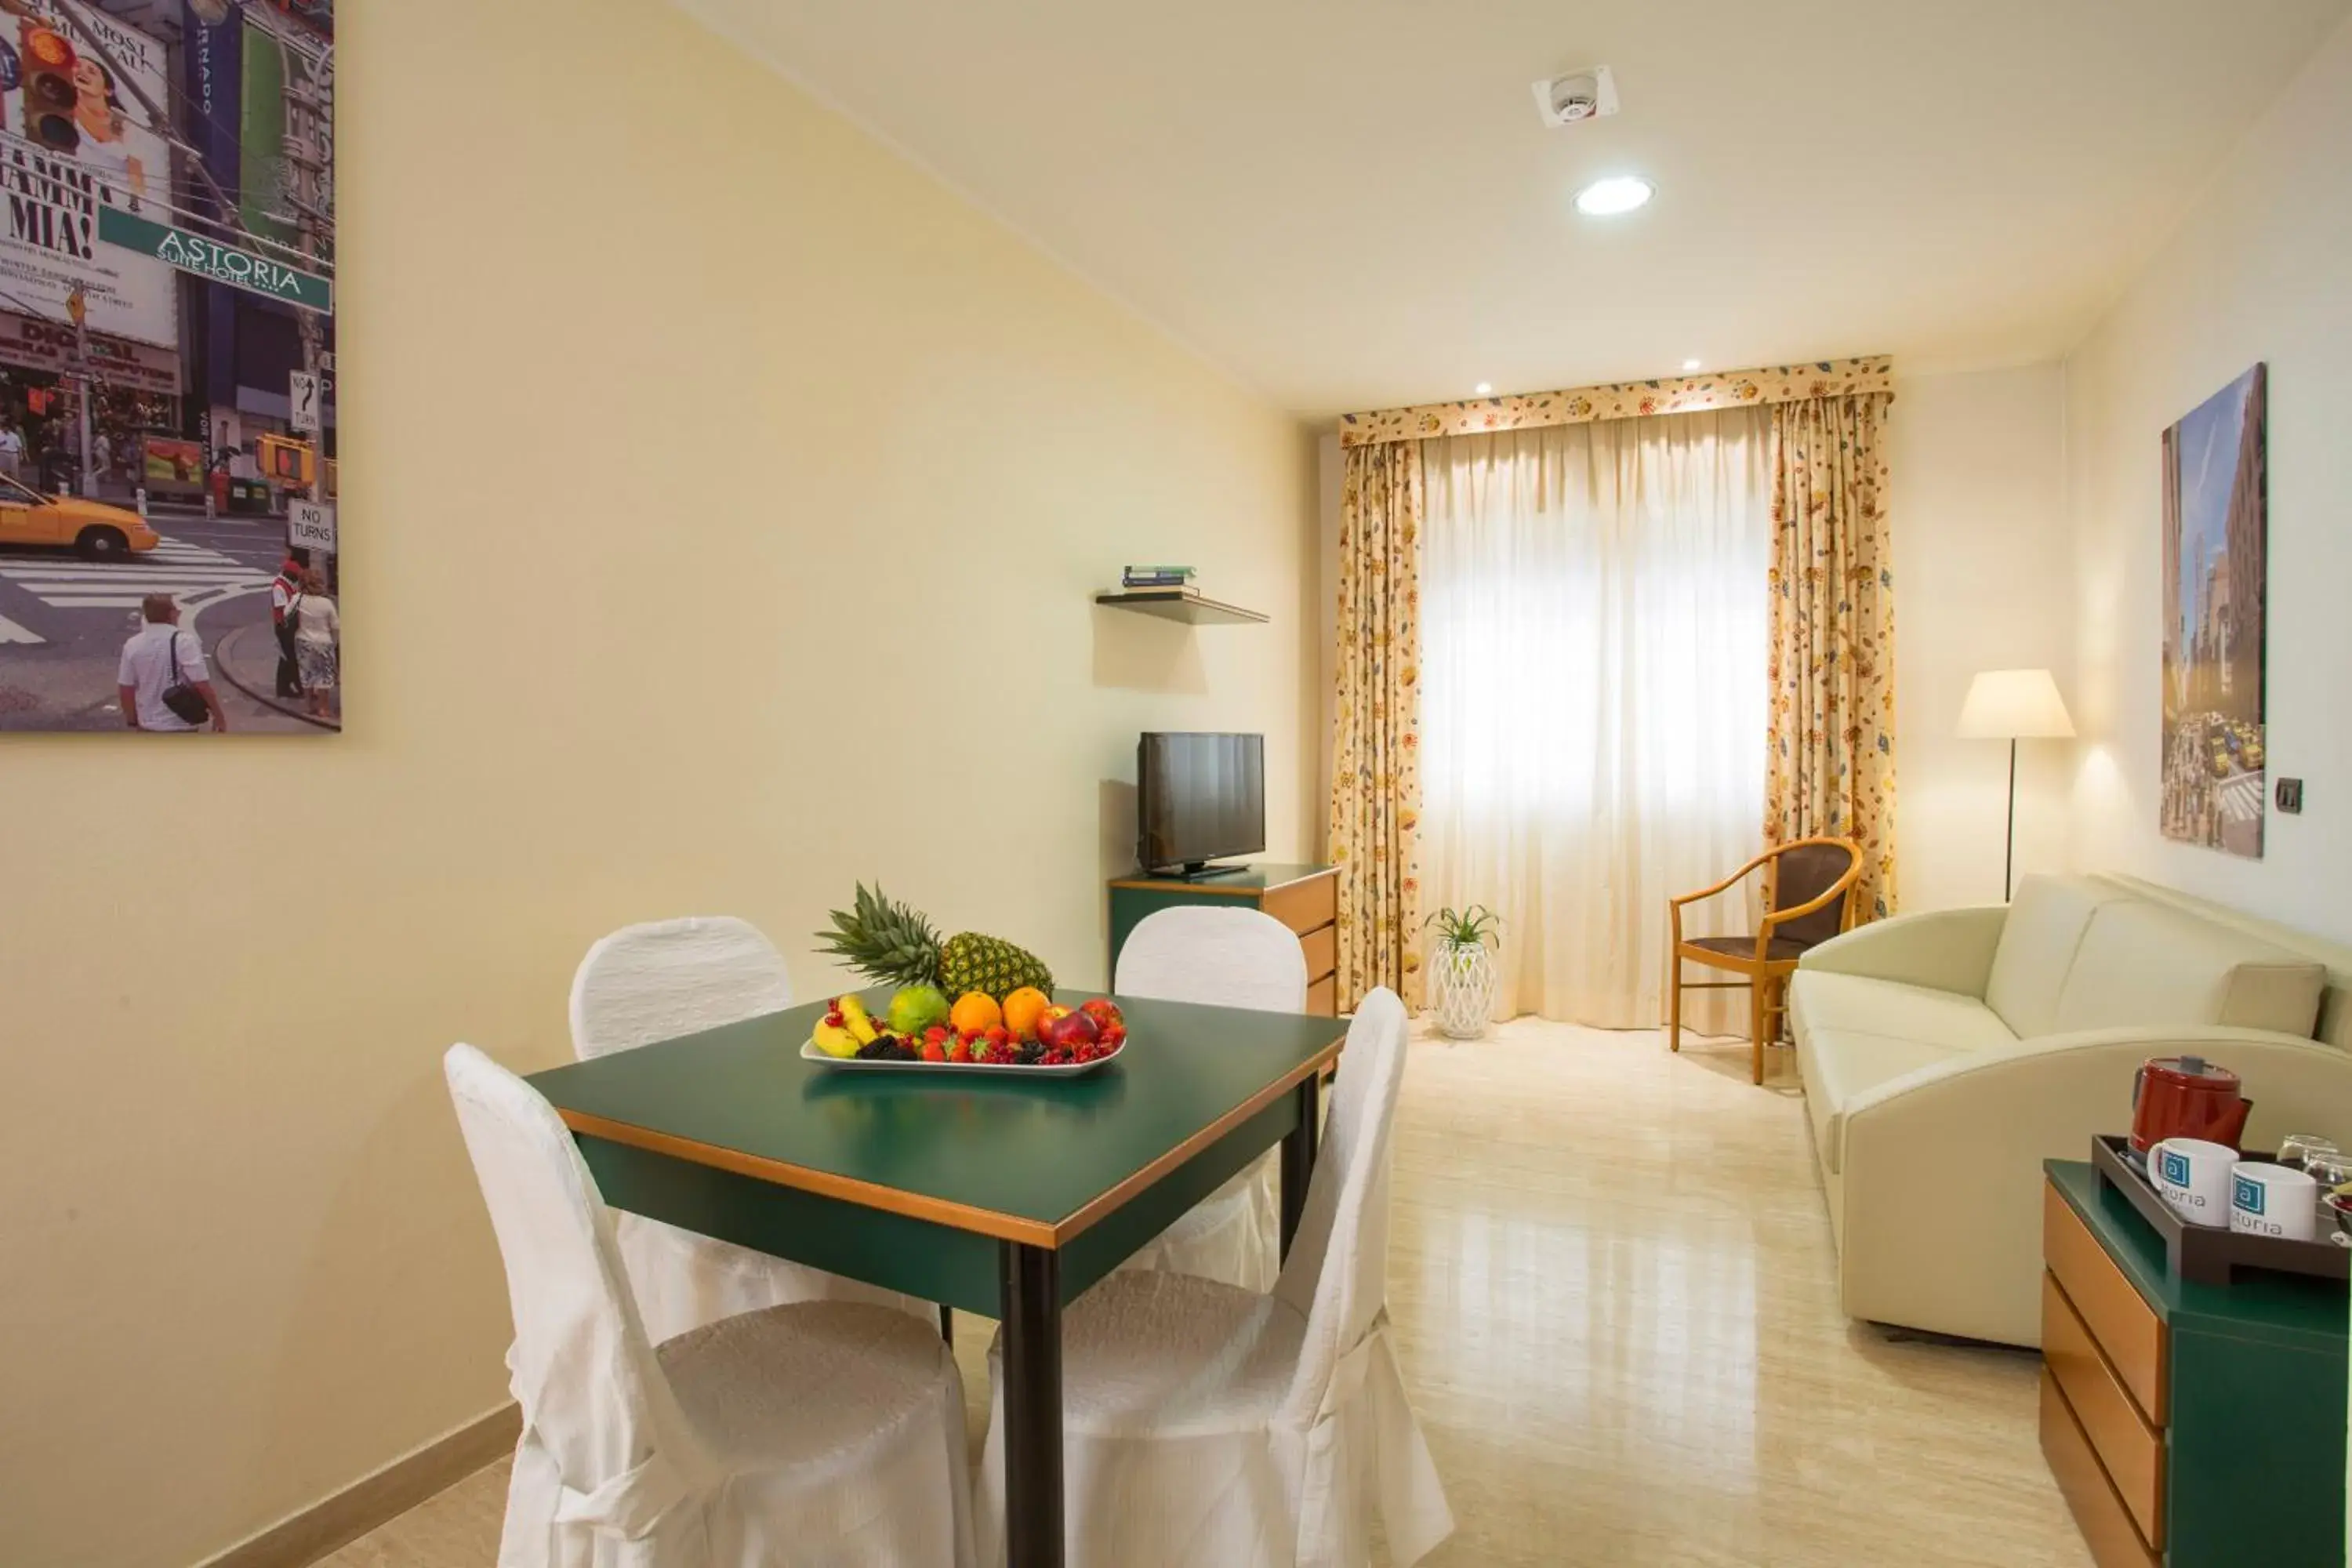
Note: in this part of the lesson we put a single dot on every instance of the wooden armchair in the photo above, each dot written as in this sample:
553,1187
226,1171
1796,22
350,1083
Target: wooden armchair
1808,886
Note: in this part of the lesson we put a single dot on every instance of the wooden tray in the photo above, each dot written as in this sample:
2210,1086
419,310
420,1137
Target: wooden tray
2200,1253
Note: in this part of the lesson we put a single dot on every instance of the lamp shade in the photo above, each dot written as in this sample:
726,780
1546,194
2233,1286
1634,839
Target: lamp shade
2014,705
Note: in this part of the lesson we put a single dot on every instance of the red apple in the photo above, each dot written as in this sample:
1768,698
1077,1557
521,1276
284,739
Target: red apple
1103,1011
1064,1030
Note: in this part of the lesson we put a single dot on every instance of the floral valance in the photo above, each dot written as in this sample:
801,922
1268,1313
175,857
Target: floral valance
1624,400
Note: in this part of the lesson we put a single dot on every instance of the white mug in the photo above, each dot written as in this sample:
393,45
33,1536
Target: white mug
2272,1199
2193,1177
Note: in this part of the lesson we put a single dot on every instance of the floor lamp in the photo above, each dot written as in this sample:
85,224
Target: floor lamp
2013,705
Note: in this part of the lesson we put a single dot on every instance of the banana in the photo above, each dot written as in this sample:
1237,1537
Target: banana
836,1041
852,1014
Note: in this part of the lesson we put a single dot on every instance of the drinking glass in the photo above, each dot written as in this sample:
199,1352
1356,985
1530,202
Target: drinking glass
2297,1149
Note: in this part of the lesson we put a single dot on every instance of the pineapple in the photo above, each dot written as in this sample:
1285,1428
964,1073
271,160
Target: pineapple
895,945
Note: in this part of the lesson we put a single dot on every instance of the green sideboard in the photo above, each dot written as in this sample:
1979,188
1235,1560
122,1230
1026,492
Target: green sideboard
2189,1425
1304,898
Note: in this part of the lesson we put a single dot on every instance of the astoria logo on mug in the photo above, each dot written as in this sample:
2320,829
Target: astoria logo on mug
2254,1182
2193,1178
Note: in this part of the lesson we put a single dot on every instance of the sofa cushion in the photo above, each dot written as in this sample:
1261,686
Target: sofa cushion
2046,924
1840,1065
2144,965
1856,1003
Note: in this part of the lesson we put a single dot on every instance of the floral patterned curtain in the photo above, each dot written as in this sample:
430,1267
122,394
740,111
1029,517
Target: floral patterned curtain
1831,766
1376,732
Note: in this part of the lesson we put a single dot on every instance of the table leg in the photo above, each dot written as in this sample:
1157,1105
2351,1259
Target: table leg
1298,1159
1030,1287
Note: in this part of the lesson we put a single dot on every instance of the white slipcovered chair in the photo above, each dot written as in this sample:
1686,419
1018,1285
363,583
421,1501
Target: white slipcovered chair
656,982
828,1432
1220,958
1204,1424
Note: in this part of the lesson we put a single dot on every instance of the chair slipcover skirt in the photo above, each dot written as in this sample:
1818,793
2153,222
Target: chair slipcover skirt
1233,1235
1175,1451
1207,1425
828,1434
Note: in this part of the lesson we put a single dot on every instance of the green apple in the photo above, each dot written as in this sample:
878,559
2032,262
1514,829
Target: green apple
917,1008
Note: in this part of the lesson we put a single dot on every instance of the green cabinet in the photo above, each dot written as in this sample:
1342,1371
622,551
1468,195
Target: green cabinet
2209,1421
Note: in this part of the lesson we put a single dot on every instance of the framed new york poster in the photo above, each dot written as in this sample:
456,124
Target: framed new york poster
2216,580
170,543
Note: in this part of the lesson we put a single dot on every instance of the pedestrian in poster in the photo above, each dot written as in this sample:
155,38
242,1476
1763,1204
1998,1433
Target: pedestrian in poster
283,588
162,679
320,627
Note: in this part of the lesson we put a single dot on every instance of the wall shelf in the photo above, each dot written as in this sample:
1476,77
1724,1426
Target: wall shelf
1183,604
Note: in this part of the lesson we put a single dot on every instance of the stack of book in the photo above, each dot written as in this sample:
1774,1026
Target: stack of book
1156,577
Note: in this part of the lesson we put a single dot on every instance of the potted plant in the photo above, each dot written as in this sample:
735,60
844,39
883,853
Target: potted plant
1461,973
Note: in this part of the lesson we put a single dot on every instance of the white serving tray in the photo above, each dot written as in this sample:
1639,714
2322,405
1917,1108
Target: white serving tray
809,1053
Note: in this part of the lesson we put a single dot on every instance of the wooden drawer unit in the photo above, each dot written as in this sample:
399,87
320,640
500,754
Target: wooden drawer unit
1305,904
2116,1313
1304,898
2130,1449
1323,997
1322,951
2167,1405
2105,1524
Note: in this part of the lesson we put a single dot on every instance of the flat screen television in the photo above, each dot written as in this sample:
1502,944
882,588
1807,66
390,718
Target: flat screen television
1199,797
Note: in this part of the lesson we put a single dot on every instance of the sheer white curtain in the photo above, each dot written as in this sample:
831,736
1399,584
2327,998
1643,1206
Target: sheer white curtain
1593,712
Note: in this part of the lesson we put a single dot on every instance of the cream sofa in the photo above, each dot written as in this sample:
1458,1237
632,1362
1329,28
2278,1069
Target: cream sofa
1945,1056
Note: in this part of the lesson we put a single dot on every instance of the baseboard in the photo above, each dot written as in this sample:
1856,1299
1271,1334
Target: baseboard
343,1518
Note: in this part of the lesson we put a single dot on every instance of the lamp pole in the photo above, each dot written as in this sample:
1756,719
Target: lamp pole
2009,854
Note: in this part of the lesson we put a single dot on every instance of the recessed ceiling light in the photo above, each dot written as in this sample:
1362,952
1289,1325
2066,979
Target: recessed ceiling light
1690,365
1484,387
1619,194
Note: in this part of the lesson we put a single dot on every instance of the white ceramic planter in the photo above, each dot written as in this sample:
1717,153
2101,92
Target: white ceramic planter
1461,986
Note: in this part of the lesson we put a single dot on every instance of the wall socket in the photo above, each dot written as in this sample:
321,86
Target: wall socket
2290,795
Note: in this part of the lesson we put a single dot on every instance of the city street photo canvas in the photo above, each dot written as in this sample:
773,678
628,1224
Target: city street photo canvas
170,558
2216,542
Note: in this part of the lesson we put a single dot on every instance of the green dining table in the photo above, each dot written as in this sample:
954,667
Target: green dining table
1006,1194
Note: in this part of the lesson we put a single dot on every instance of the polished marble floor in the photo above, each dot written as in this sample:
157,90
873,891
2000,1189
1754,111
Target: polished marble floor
1616,1308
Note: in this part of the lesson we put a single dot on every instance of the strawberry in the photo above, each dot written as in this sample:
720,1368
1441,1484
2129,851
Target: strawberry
961,1051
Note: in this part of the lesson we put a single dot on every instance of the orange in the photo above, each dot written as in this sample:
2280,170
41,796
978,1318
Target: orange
1021,1009
974,1013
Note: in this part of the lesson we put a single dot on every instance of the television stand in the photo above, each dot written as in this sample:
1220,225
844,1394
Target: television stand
1201,871
1304,898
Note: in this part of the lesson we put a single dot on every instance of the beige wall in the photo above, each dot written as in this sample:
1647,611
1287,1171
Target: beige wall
724,499
1984,579
2257,271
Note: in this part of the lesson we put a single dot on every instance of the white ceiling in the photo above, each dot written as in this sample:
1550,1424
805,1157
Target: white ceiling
1351,203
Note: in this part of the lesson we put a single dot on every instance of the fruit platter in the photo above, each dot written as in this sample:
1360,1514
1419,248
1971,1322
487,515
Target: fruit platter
1004,1018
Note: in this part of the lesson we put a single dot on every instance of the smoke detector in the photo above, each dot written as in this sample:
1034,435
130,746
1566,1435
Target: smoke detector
1578,96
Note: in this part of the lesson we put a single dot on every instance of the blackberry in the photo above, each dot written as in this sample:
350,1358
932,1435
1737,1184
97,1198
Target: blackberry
1031,1052
876,1049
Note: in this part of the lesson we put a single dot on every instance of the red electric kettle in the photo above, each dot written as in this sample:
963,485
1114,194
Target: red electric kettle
2187,1096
